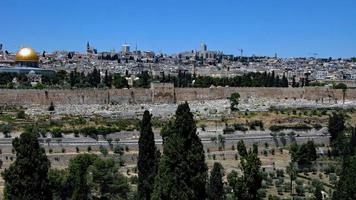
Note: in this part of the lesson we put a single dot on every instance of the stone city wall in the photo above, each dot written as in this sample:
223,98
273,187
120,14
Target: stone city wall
163,94
309,93
78,96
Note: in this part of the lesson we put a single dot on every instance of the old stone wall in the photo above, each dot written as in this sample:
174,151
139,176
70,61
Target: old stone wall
163,94
309,93
85,96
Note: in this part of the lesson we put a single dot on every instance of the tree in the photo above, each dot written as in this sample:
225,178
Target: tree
171,181
336,125
58,183
103,150
306,81
294,83
105,182
306,154
336,128
246,186
345,188
293,149
353,141
21,114
234,101
216,185
144,80
303,154
241,148
232,179
251,181
147,160
317,192
341,86
89,177
312,155
221,142
94,78
292,172
78,176
182,169
73,78
51,107
107,79
27,177
6,130
119,81
255,148
284,82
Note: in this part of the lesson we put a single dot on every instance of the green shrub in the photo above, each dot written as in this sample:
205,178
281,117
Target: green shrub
119,150
240,127
56,133
103,150
21,114
276,128
300,190
280,173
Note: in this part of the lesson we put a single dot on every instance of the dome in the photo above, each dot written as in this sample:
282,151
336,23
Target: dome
26,54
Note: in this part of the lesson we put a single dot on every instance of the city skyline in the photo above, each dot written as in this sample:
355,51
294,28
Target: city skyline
290,29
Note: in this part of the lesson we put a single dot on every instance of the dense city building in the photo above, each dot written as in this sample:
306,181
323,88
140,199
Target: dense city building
202,62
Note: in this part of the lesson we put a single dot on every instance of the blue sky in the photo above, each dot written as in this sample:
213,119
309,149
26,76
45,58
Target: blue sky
261,27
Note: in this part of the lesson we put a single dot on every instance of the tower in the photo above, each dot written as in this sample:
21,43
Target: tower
203,47
125,48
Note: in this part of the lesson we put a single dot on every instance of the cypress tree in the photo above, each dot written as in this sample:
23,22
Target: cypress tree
273,79
27,177
336,126
107,79
241,148
78,176
345,188
182,170
294,83
246,186
277,82
353,141
95,79
264,79
251,181
284,81
317,192
216,185
147,161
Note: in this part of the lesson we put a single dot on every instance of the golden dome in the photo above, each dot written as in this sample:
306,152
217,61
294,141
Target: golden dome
26,54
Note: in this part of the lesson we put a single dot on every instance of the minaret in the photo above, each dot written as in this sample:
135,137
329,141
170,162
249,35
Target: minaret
2,52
